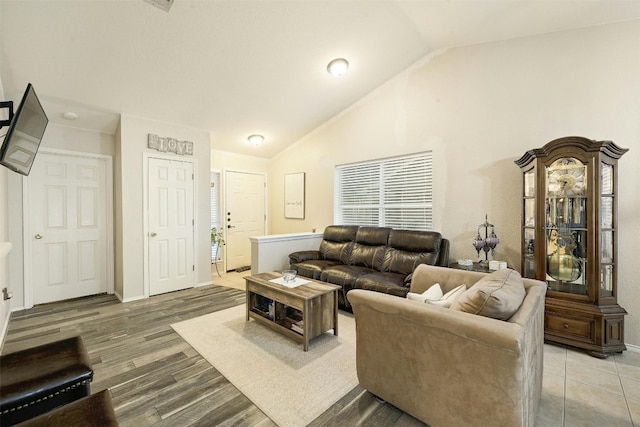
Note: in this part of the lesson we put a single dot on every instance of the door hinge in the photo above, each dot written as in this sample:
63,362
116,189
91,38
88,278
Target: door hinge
193,268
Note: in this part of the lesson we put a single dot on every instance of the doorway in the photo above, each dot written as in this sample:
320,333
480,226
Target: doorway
67,210
244,216
171,222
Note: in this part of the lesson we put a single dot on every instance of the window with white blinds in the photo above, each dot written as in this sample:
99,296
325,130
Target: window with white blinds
215,206
395,192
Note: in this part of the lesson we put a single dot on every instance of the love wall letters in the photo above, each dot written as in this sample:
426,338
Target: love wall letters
170,145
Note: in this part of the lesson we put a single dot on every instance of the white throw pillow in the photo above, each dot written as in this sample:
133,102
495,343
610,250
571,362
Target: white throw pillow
433,293
448,298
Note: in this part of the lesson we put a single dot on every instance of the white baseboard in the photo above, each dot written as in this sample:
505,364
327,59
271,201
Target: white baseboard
130,299
203,284
633,348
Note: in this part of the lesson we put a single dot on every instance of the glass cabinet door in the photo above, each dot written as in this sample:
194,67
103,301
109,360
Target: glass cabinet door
606,230
565,227
528,233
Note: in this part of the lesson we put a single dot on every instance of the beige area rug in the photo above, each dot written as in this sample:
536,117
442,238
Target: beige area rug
291,386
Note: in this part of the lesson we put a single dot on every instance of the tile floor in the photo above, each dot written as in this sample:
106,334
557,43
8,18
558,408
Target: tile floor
581,390
577,389
230,279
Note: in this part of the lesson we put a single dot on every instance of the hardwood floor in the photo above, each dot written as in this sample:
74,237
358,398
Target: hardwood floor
155,377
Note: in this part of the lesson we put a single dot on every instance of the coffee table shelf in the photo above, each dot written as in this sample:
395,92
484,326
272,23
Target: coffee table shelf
315,303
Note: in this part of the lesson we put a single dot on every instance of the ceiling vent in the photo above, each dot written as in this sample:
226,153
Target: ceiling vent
161,4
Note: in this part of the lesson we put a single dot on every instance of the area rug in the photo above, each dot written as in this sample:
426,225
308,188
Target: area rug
291,386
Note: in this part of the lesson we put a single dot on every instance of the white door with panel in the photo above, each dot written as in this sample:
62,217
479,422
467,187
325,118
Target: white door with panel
244,216
67,203
170,225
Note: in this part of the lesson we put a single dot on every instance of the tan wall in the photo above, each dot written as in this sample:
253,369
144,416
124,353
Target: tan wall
224,160
479,108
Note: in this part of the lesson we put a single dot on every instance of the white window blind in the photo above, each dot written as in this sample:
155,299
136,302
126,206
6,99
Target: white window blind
395,192
215,199
215,207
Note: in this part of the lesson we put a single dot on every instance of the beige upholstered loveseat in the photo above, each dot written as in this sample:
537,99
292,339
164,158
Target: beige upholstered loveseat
447,367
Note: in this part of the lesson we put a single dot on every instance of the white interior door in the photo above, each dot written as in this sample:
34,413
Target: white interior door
244,216
67,214
170,225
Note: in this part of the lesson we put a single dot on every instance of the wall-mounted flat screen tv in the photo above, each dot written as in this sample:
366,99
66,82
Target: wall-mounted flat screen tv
25,132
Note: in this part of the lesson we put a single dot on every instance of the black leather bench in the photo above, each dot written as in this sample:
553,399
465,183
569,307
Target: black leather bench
39,379
95,410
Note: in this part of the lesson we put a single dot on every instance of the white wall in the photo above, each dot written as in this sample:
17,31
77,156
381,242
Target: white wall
479,108
132,143
11,224
5,306
59,137
81,140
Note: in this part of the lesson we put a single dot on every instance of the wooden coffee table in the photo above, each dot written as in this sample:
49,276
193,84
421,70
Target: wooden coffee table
279,307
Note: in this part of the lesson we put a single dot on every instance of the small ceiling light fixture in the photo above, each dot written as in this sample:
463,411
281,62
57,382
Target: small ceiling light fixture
69,115
338,67
256,139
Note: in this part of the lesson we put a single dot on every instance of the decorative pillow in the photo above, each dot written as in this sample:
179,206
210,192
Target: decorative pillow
497,295
434,292
448,298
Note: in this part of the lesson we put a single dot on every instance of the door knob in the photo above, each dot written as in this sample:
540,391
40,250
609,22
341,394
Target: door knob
152,234
231,226
38,236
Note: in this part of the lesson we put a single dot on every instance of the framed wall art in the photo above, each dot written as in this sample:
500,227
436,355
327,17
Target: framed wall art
294,195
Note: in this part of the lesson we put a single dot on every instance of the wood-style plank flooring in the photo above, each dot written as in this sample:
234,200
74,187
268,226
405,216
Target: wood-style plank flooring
155,377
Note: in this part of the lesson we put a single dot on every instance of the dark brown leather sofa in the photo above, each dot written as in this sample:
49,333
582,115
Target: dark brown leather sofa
373,258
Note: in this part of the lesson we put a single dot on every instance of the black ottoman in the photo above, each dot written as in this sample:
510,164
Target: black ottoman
39,379
91,411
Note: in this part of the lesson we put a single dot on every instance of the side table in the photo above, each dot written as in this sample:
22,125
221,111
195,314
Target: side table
475,267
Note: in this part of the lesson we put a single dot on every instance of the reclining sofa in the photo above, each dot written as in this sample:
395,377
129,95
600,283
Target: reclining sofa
451,367
375,258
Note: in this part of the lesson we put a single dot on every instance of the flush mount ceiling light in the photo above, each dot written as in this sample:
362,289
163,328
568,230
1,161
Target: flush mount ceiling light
338,67
69,115
256,139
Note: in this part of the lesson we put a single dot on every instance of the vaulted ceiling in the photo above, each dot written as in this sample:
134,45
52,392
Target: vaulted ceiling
237,67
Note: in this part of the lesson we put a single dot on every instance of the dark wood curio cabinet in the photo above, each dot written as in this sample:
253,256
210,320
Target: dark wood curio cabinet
569,240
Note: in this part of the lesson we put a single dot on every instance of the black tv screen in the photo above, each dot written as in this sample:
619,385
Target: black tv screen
25,133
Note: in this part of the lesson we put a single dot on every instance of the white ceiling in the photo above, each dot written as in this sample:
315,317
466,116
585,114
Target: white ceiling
237,67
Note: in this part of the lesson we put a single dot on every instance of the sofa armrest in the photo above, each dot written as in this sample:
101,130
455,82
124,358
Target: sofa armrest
443,256
301,256
431,361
